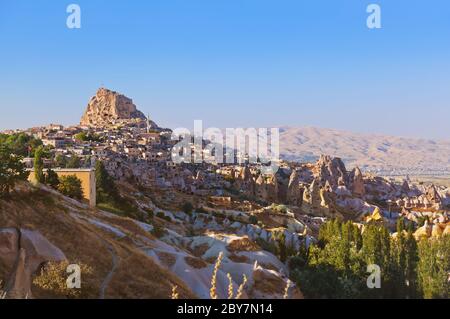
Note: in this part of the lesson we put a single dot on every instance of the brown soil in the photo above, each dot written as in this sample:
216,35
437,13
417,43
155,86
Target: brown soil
195,262
243,244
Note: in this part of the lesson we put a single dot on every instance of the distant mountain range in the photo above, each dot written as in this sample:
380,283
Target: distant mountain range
387,155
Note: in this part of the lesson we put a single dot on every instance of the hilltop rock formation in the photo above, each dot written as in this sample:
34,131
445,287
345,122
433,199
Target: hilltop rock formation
294,195
273,189
261,188
357,181
109,107
317,200
433,196
332,170
245,181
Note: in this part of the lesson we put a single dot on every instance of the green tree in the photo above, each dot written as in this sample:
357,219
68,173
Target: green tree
60,161
387,268
411,262
357,238
434,267
335,267
345,245
106,188
87,161
376,250
399,258
39,165
20,144
73,162
108,196
280,237
85,137
253,220
187,208
51,179
70,186
372,245
11,170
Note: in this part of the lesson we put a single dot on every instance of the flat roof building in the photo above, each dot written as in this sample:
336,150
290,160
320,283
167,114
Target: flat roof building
86,176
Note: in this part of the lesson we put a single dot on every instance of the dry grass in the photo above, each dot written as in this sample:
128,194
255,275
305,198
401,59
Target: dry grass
196,263
53,276
211,260
139,277
175,294
166,258
136,276
267,283
230,287
243,244
286,289
76,241
128,225
239,259
240,291
213,291
200,250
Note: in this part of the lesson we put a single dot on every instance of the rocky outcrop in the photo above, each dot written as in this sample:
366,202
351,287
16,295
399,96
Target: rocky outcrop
109,107
332,170
294,194
357,181
24,252
272,189
39,249
245,182
9,246
424,231
433,197
405,187
261,188
314,201
430,199
19,283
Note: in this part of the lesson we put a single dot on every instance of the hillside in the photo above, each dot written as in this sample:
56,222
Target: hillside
106,243
127,258
384,154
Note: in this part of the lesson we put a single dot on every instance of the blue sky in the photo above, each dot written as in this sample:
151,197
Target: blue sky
232,63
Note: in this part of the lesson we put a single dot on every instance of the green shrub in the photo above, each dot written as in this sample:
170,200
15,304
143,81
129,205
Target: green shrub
52,179
12,170
279,208
253,220
70,186
187,208
158,231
